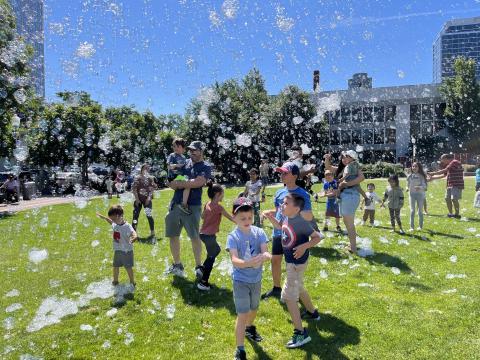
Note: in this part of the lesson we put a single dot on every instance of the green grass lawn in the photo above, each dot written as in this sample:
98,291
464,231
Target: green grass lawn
429,310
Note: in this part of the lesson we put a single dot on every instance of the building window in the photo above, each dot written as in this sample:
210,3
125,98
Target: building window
390,112
427,128
427,111
346,137
367,114
356,137
335,117
440,110
379,136
415,129
335,137
414,112
378,114
357,114
367,136
391,136
346,115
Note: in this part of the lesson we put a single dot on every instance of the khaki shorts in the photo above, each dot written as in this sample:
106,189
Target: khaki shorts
453,193
177,219
293,286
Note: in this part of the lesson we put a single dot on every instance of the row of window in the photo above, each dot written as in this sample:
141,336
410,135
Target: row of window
426,128
362,114
363,136
421,112
459,28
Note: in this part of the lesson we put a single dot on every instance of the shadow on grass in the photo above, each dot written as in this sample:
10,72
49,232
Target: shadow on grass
259,350
149,240
6,214
216,297
327,253
329,335
453,236
418,237
418,286
388,261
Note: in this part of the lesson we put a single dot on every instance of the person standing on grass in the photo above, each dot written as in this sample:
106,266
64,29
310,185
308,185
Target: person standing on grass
212,216
330,187
11,187
252,192
123,238
477,179
453,170
247,246
289,173
350,177
416,187
142,189
264,169
373,198
395,199
298,236
198,172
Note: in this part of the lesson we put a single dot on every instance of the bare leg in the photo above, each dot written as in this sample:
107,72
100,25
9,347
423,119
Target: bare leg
295,314
276,270
130,275
251,317
456,205
116,271
175,249
306,301
240,328
197,251
352,233
449,205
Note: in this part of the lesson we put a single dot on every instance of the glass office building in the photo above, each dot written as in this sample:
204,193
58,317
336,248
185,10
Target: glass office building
460,37
29,15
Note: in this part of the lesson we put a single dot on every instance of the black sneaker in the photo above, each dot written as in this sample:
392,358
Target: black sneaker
199,272
185,209
339,229
240,355
275,292
307,315
203,285
114,283
176,269
325,228
252,334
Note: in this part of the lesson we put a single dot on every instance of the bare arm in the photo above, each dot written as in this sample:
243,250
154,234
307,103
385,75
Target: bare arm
439,172
328,164
353,182
107,219
227,215
299,250
133,236
270,215
198,182
437,177
240,263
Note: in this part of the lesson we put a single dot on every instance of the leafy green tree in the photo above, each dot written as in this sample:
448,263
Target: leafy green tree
462,96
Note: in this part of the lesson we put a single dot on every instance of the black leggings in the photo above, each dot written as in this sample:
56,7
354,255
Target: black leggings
395,215
137,207
213,249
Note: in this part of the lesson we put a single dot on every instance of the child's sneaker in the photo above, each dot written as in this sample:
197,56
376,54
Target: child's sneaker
252,334
240,355
339,229
325,228
299,338
315,197
401,232
114,283
203,285
176,269
274,292
199,272
307,315
362,223
184,208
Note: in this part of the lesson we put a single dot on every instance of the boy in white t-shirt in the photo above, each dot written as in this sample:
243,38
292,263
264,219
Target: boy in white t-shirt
123,237
253,187
369,201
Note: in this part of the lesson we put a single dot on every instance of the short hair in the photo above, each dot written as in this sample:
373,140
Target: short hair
179,142
296,148
447,156
298,201
371,184
253,170
115,210
394,177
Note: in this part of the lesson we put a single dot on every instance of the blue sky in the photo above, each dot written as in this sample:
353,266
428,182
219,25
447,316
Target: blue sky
157,54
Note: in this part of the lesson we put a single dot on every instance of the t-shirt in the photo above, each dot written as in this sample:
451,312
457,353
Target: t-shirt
11,185
144,187
247,246
394,197
212,215
193,170
329,186
374,198
121,237
278,201
416,183
252,189
455,174
175,158
295,231
109,183
264,170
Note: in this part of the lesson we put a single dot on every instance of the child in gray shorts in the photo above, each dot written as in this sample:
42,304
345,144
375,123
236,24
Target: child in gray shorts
123,237
247,246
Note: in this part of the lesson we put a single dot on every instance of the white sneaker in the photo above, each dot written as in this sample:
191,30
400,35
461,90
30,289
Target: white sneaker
419,228
362,223
411,230
401,232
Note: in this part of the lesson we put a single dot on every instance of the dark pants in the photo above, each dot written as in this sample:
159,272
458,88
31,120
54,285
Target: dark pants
369,214
395,215
137,207
256,214
477,186
213,249
11,195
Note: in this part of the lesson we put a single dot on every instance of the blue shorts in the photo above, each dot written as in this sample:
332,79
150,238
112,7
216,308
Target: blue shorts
349,201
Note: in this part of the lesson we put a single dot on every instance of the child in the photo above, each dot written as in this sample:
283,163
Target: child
175,163
416,187
477,179
253,187
295,243
123,238
212,215
351,172
247,246
394,196
370,204
329,190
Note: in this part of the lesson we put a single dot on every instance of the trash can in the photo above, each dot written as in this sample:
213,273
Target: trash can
29,189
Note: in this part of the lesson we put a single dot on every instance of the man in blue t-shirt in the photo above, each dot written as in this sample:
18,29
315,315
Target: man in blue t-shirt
289,173
198,172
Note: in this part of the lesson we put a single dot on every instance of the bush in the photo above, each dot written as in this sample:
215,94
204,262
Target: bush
470,168
382,169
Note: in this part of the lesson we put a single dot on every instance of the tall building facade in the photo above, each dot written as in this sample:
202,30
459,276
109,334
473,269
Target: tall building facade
460,37
30,25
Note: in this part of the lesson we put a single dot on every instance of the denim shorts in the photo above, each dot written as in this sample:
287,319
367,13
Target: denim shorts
123,259
246,296
349,201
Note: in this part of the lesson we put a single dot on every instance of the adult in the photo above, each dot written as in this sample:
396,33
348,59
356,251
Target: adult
142,189
198,172
349,192
289,173
297,159
264,169
453,170
11,187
